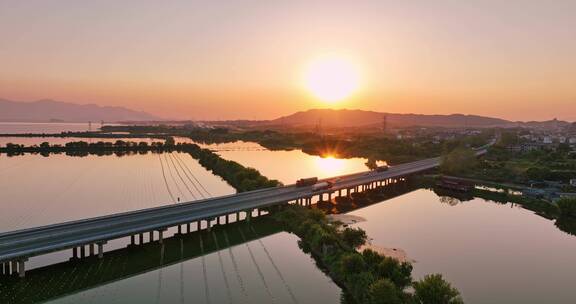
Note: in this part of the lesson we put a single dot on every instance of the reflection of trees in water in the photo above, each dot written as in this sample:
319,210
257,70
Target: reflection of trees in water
566,224
452,198
452,201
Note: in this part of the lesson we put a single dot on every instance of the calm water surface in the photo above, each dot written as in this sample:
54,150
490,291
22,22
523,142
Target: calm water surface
492,252
27,127
40,190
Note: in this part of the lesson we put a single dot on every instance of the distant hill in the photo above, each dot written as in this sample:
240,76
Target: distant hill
358,118
57,111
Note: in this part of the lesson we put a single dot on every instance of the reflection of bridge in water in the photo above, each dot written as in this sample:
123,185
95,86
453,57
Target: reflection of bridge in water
80,274
66,278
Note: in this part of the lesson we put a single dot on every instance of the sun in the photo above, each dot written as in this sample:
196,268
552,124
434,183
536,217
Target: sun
331,79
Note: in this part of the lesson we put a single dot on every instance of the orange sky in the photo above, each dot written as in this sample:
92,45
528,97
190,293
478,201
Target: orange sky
245,59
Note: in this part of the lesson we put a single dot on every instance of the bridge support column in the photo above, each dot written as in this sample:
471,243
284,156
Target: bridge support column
82,251
22,267
14,266
161,236
141,238
91,248
132,240
248,215
209,225
75,252
101,249
188,228
179,229
151,236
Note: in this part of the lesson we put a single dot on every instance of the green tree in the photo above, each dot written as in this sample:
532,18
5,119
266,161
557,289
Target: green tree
398,273
383,291
352,263
459,161
433,289
354,237
567,207
537,173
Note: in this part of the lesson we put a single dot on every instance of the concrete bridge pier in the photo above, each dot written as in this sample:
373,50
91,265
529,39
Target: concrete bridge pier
82,252
150,236
248,215
132,240
161,235
141,238
101,249
91,249
22,267
14,267
75,252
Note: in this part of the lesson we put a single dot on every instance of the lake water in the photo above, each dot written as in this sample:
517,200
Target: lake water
57,127
492,252
39,190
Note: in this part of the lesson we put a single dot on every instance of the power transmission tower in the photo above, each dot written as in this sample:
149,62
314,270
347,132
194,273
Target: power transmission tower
384,123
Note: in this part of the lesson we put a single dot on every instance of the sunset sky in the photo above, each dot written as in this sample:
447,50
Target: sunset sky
250,59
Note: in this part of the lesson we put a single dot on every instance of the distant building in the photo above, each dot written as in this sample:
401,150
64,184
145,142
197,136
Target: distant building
547,140
573,182
572,140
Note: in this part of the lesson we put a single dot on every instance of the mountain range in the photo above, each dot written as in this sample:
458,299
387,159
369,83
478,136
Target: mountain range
328,118
57,111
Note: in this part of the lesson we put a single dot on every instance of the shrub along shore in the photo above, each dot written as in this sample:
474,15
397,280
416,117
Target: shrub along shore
366,277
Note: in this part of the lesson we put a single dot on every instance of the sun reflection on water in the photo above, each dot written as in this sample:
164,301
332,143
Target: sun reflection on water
330,166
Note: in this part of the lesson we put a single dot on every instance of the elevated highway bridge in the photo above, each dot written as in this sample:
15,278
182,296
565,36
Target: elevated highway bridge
92,234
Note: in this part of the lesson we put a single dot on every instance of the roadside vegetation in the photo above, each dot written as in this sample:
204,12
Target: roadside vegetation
367,277
460,161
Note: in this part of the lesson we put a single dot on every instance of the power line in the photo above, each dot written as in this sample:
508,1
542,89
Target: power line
193,176
182,167
165,180
180,176
266,288
172,176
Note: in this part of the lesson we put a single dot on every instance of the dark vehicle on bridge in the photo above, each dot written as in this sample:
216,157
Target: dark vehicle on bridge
322,186
382,168
306,181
